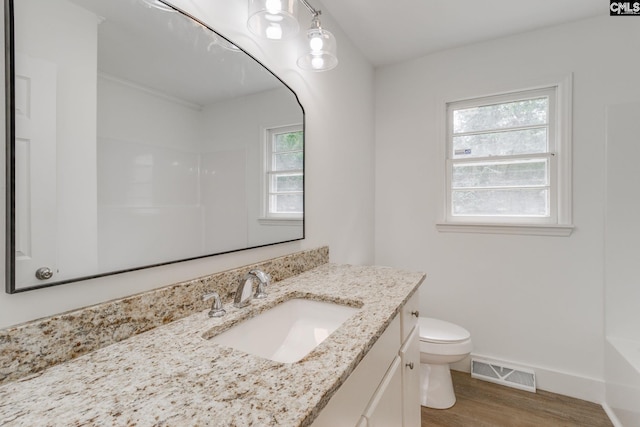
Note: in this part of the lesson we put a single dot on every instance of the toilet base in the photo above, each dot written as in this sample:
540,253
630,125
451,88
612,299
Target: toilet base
436,387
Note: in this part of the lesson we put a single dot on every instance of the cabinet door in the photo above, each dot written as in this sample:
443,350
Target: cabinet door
385,407
410,355
352,398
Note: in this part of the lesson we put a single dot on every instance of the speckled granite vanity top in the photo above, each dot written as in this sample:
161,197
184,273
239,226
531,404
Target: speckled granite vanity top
173,376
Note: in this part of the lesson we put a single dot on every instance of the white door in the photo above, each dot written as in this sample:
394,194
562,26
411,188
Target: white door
35,169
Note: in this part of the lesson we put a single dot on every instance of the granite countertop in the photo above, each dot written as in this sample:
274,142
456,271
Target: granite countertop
173,376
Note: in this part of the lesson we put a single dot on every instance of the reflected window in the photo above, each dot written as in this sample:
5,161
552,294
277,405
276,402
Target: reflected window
284,155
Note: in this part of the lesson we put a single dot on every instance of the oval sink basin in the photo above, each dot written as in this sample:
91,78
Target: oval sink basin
287,332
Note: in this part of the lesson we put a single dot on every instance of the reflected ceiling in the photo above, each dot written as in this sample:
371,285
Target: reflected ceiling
171,59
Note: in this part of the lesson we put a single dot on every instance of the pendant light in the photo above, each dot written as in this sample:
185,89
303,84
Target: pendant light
319,51
276,20
273,19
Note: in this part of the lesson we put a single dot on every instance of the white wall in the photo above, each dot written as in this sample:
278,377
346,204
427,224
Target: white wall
339,171
532,300
622,281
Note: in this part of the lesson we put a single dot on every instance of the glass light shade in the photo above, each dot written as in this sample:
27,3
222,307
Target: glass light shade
273,19
319,52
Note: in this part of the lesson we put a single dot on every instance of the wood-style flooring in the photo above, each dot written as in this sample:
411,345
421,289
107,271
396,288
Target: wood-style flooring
483,404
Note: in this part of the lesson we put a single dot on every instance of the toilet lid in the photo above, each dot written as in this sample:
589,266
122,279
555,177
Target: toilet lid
439,331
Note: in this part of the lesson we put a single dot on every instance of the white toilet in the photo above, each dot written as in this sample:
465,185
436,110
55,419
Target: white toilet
441,343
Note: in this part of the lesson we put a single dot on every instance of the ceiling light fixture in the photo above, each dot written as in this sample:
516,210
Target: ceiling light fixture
320,50
273,19
276,20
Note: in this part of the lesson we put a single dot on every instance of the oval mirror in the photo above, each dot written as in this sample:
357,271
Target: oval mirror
139,137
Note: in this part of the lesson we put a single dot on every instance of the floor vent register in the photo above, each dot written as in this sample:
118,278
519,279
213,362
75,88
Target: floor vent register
501,373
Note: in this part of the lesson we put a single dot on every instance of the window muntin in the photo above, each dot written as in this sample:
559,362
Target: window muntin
284,173
501,159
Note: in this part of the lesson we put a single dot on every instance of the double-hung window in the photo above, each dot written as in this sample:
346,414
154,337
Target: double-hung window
284,179
503,165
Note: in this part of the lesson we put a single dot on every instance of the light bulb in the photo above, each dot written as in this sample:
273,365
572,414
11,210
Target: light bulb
316,43
274,32
317,62
273,6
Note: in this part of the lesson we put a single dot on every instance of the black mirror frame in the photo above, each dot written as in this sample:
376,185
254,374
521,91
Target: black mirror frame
10,131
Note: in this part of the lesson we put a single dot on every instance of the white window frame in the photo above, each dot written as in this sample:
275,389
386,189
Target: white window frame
268,217
558,155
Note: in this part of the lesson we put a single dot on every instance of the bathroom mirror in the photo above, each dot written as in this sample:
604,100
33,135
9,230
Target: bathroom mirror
137,137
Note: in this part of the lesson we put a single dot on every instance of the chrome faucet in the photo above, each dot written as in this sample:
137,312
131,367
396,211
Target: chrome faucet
243,293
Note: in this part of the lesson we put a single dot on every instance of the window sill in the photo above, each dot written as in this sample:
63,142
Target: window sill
280,221
523,229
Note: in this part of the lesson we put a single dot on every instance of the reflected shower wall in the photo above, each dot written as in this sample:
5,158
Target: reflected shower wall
152,175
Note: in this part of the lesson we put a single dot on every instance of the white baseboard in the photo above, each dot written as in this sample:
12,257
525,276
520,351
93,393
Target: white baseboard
571,385
612,415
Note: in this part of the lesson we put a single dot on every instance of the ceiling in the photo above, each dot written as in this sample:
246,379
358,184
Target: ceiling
393,31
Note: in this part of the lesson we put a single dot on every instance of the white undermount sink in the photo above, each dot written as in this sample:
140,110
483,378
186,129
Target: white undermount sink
287,332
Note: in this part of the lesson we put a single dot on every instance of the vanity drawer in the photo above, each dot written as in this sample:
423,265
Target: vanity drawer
409,315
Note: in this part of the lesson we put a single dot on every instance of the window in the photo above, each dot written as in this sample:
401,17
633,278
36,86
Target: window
284,178
508,160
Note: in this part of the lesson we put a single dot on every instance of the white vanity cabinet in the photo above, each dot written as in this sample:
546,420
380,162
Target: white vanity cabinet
384,389
385,407
410,355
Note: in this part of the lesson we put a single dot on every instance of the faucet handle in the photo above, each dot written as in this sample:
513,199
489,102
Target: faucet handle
216,307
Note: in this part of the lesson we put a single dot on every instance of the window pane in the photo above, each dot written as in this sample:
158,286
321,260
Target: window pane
282,183
529,112
501,143
511,202
287,203
288,161
289,141
500,174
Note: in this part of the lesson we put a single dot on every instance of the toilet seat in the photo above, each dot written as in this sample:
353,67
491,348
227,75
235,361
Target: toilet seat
441,332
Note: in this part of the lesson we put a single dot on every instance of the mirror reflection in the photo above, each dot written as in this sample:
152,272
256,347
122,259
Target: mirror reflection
143,138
